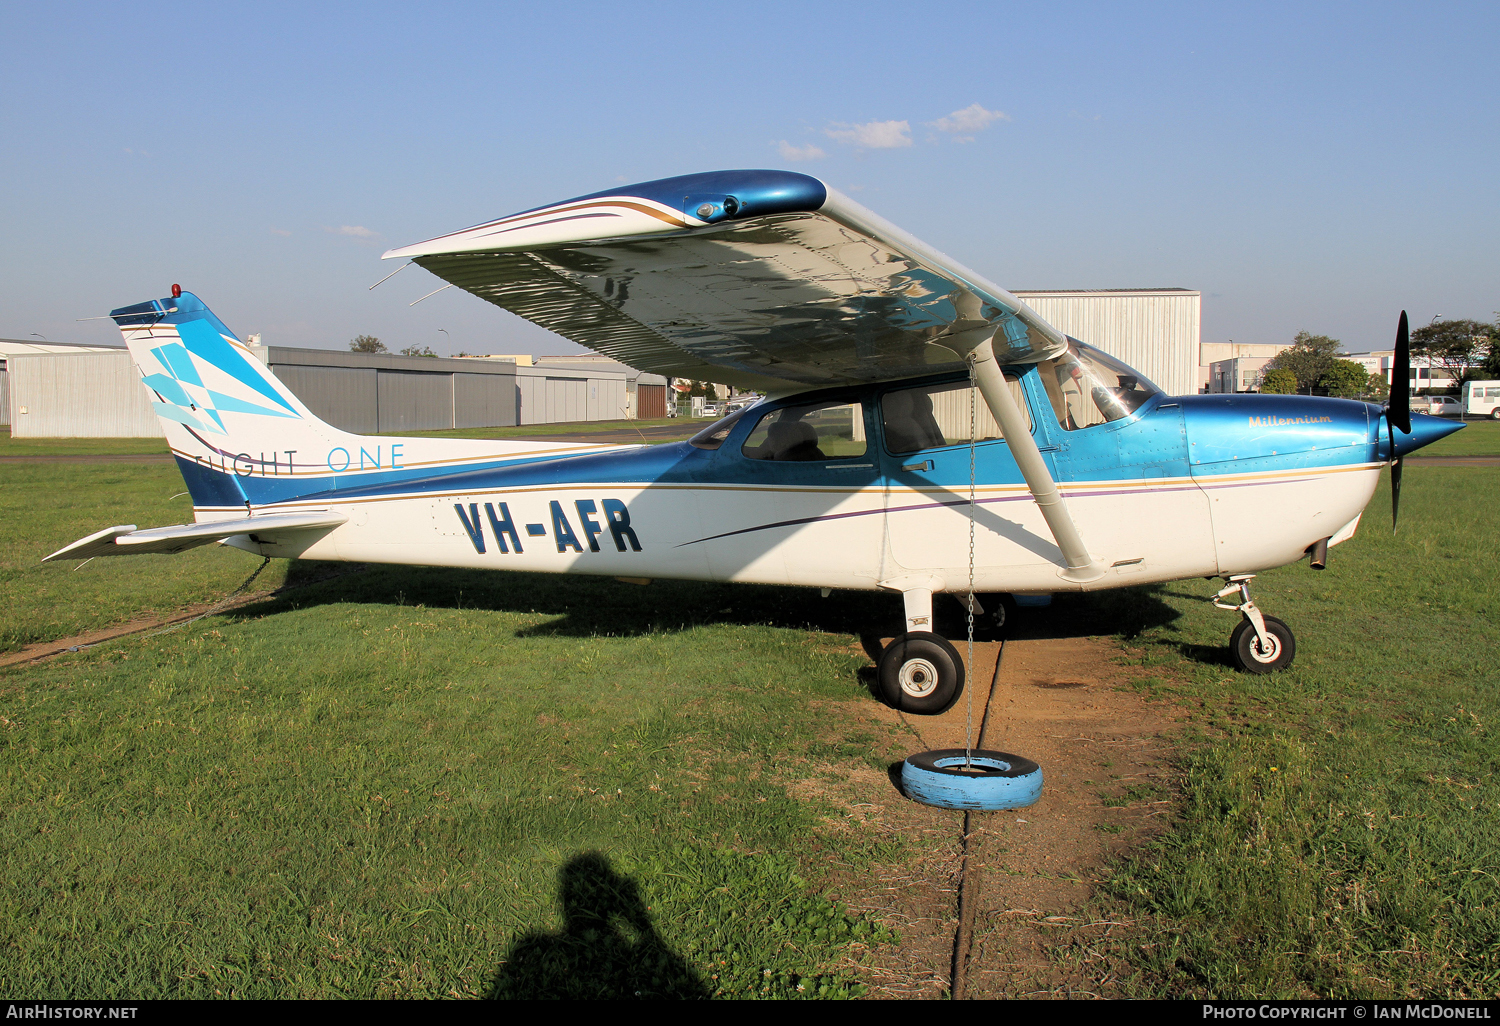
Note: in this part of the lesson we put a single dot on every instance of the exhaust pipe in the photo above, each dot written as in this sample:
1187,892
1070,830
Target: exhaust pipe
1319,551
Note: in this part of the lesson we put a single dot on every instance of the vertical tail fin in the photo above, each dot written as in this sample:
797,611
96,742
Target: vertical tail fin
229,421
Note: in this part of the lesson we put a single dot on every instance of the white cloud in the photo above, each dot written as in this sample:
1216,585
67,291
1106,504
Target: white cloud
280,231
354,231
875,135
808,152
971,119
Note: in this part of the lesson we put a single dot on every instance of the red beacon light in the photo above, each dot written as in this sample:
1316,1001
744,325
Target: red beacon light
176,291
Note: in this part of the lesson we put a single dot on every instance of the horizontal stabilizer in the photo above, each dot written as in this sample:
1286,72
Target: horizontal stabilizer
125,540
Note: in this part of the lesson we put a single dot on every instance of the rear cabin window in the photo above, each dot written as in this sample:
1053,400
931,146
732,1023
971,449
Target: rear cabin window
816,431
937,415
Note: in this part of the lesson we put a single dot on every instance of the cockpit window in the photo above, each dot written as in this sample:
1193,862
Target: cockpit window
1086,387
713,436
815,431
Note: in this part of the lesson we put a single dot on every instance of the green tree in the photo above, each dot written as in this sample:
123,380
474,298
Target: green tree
1491,366
1346,379
418,351
367,344
1278,381
1378,388
1458,346
1310,357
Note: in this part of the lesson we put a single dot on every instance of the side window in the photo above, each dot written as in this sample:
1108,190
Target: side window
816,431
938,415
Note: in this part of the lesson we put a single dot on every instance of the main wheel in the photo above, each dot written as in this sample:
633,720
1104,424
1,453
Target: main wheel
1247,651
920,673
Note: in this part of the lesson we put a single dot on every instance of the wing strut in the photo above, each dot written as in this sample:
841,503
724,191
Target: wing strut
1081,567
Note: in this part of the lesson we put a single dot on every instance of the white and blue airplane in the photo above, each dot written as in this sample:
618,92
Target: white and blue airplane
924,431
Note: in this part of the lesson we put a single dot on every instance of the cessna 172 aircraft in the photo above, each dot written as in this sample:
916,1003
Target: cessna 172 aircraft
924,430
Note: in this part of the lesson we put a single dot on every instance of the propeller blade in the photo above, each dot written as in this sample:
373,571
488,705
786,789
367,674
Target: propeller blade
1395,493
1398,407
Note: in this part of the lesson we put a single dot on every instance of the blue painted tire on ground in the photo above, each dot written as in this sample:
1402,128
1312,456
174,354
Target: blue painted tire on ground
1003,781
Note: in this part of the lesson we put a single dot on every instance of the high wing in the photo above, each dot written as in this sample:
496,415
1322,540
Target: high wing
767,280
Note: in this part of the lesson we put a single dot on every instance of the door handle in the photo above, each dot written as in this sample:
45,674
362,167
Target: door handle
924,465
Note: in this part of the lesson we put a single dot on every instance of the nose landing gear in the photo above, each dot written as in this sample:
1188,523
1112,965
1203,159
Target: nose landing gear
1260,643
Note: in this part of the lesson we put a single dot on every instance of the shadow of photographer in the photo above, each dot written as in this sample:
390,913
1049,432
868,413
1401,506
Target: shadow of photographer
607,947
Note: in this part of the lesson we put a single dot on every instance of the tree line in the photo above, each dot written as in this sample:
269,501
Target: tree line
1465,349
372,344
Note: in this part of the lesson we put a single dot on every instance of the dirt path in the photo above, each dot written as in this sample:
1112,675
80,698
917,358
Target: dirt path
78,642
47,649
1103,752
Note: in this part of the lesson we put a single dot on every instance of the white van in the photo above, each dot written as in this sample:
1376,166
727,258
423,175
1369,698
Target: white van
1482,399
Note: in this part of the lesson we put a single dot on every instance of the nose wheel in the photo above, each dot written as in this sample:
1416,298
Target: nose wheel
1260,643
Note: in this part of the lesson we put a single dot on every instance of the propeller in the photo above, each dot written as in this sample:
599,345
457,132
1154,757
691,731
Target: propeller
1398,410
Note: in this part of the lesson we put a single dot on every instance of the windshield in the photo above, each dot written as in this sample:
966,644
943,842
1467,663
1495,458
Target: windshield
1086,387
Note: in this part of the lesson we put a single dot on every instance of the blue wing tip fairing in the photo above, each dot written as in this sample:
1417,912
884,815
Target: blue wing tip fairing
730,195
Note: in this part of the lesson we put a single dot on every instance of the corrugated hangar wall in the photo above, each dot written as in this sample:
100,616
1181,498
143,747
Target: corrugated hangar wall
550,395
1156,331
343,396
373,393
99,395
88,395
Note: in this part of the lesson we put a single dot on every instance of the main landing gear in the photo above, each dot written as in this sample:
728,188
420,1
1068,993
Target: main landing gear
920,672
1260,643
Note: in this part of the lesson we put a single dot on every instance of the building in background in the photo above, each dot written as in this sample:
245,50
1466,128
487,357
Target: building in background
95,392
1156,331
581,387
20,347
1236,366
379,393
1422,374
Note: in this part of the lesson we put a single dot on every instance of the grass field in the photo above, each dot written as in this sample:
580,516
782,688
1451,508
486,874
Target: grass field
424,783
1478,438
386,785
44,506
80,446
1338,830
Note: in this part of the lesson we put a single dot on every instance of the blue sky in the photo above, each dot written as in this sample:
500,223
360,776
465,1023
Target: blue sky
1305,166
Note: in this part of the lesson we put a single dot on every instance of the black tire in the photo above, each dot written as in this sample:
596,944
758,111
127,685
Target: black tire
920,673
998,609
1495,413
1244,646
